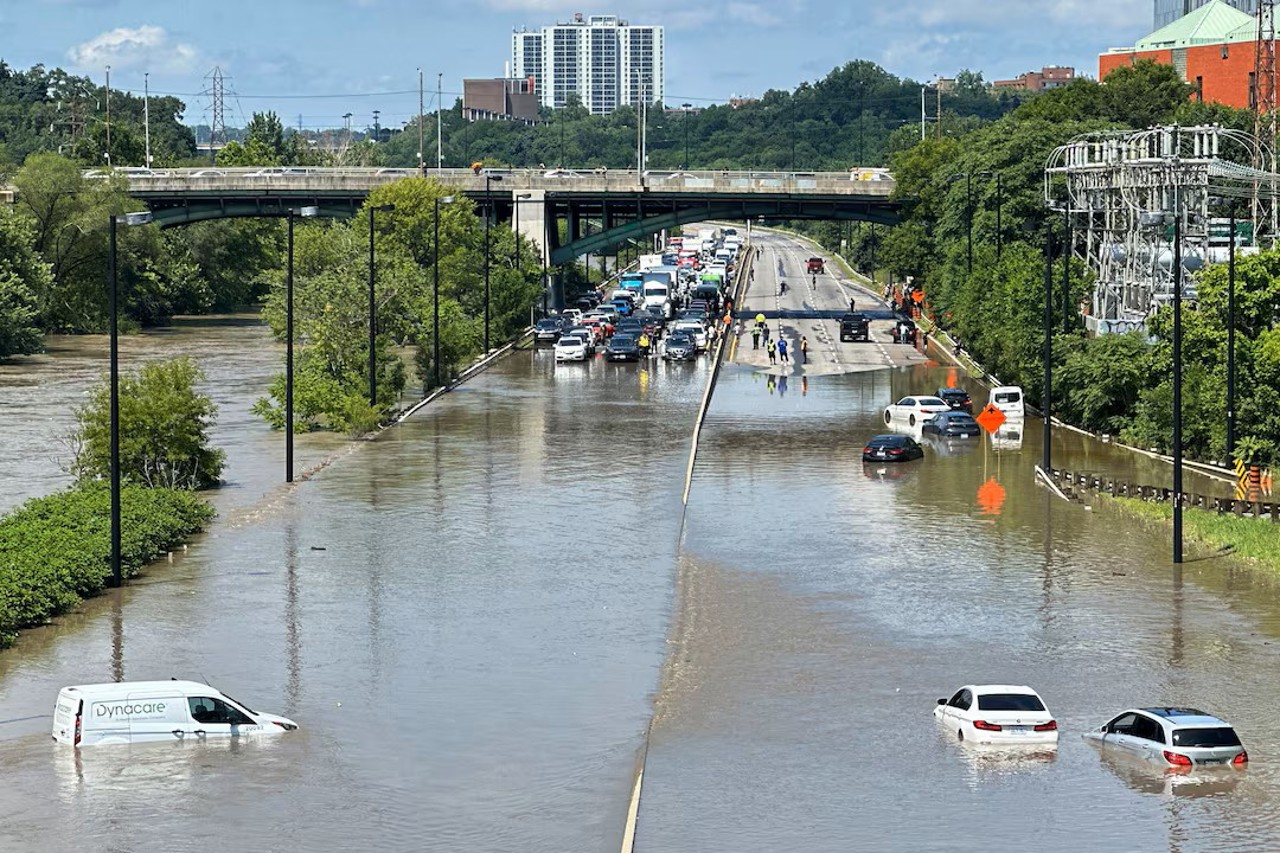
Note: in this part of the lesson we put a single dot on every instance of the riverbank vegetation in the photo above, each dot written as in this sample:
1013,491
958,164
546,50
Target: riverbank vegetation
55,550
1255,540
1115,384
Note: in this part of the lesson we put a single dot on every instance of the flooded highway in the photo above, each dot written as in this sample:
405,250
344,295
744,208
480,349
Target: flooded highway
475,618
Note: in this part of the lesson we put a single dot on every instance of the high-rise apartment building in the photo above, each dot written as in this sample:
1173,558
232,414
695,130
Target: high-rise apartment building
1168,11
601,59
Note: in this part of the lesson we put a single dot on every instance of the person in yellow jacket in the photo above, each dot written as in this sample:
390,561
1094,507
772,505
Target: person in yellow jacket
644,343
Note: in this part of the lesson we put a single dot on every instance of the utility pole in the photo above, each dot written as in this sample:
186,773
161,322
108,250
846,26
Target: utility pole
439,120
108,151
146,114
1177,371
937,111
377,131
922,112
420,111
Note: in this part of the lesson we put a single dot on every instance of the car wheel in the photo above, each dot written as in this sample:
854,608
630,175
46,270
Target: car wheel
888,419
911,420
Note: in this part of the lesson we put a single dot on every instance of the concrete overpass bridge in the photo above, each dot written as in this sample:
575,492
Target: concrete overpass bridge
566,212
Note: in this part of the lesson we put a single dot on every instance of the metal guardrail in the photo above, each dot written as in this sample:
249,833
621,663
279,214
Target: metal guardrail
214,179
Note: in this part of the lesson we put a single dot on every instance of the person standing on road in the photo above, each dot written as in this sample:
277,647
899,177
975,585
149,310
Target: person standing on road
804,350
773,352
782,350
755,336
764,332
851,306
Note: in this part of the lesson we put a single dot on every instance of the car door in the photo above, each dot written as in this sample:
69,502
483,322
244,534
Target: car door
959,706
216,718
1120,733
1148,737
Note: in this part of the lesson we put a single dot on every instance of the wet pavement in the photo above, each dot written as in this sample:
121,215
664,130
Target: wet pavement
476,616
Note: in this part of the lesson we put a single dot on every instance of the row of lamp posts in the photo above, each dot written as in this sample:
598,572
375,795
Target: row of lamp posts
145,217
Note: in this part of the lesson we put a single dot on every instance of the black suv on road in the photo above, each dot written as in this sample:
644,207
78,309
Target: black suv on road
855,327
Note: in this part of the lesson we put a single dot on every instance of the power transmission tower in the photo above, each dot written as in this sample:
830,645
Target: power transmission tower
218,117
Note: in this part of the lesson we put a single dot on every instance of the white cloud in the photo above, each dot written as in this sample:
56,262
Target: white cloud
145,47
753,13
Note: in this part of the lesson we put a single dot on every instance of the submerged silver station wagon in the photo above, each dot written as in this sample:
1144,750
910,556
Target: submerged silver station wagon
1173,737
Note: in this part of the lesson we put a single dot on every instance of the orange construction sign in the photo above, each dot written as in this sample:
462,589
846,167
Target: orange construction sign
991,418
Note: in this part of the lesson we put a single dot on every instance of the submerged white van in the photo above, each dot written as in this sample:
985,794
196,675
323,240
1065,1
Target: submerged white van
1008,399
151,711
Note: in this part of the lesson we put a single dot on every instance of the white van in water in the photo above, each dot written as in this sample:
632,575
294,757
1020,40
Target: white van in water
150,711
1008,399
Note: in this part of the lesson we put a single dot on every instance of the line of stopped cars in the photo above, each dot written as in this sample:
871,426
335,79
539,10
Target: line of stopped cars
1173,738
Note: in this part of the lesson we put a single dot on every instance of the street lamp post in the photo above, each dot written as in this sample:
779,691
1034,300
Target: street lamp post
1231,343
999,210
686,108
968,216
113,308
1177,373
488,212
373,308
435,289
1066,270
1046,455
288,334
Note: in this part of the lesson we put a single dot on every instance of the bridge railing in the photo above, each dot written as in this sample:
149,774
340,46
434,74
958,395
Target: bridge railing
214,179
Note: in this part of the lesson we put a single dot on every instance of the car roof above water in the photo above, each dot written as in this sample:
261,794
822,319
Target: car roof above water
1186,716
125,689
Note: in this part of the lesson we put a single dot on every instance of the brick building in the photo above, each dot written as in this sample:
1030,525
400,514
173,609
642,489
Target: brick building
1048,77
1214,49
511,98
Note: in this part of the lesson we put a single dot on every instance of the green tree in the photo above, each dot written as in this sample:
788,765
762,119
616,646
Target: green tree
22,275
164,430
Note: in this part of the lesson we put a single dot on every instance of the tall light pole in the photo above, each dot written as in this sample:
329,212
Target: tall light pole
999,209
373,320
288,352
1177,373
488,212
146,114
439,122
435,288
686,108
108,152
968,216
421,168
1231,343
1046,455
377,130
1066,269
113,308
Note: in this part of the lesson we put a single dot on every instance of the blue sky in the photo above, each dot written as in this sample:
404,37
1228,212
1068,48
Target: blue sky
323,58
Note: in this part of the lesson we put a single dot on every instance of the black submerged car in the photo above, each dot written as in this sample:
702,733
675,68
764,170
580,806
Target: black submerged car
957,398
952,425
892,448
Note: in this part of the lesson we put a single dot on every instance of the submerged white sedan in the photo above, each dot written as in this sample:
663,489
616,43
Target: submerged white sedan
571,348
914,410
999,714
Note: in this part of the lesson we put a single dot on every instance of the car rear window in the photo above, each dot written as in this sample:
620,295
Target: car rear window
1008,397
1225,736
1009,702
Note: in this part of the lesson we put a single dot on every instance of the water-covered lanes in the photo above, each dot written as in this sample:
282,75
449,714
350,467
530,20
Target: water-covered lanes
825,605
466,616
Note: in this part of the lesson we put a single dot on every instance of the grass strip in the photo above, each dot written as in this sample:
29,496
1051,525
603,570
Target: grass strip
1254,539
56,551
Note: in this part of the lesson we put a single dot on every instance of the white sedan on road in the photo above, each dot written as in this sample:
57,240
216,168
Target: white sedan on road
998,713
571,348
914,410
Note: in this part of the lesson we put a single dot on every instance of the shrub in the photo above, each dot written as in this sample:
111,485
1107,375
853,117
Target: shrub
56,550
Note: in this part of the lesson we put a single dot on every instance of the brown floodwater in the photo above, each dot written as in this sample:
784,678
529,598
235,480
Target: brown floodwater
476,616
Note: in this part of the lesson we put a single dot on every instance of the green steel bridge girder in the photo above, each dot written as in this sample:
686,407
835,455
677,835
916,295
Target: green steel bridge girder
602,241
174,217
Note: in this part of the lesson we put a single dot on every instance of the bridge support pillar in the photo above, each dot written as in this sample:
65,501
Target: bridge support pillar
530,220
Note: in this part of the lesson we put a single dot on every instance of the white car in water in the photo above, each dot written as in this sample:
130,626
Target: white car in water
914,410
1179,738
571,348
1005,714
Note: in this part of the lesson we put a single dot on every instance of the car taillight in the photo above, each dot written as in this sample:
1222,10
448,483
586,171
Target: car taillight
867,449
1176,760
894,450
987,727
1051,726
1242,758
77,740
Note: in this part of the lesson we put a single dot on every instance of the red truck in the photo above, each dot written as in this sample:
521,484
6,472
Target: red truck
816,266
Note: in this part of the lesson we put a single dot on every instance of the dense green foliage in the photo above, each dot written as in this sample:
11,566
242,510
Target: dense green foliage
854,116
22,275
331,302
1118,384
164,430
56,550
